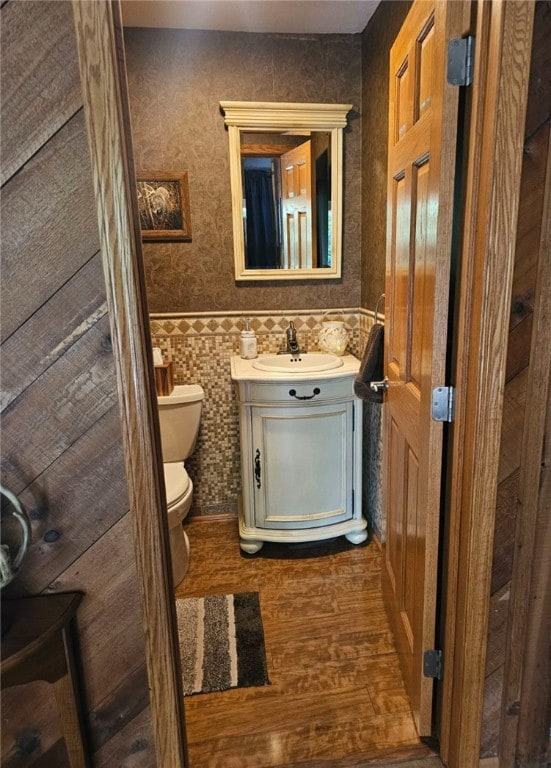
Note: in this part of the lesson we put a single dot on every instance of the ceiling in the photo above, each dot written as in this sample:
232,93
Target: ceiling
290,16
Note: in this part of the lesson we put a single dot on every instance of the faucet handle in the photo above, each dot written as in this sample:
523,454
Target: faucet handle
292,344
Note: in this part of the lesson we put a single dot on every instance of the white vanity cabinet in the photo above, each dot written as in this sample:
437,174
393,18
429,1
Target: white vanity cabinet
301,457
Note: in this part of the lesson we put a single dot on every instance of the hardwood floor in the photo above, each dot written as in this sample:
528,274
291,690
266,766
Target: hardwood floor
336,696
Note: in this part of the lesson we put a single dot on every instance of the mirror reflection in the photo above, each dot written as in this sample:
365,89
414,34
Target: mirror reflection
286,185
286,181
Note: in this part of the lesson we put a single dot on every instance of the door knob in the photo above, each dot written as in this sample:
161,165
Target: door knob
380,385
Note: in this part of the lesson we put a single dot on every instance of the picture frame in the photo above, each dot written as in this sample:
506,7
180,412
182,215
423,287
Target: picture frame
163,205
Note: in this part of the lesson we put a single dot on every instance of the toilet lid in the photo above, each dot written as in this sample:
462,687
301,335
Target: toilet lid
176,481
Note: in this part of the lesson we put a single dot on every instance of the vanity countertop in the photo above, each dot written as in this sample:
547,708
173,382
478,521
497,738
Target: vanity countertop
243,370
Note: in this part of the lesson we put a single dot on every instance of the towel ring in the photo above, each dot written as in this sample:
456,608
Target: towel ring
381,298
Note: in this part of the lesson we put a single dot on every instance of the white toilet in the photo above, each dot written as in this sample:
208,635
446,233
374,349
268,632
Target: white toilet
179,417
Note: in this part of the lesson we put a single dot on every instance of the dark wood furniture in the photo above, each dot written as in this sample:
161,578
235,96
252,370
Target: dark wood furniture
38,645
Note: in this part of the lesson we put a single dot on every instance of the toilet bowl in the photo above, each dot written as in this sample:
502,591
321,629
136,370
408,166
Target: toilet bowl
179,490
179,419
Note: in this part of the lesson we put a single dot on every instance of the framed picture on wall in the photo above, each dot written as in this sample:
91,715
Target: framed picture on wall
163,203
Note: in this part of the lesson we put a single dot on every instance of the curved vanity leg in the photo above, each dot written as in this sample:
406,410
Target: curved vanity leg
356,537
250,547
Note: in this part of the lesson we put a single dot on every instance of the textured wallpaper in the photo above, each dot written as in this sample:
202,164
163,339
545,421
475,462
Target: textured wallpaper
176,79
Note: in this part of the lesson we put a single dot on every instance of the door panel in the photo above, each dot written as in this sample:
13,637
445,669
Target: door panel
309,455
411,529
420,172
403,101
395,503
421,162
424,71
400,274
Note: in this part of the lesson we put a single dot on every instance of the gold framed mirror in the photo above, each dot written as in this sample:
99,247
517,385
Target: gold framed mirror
286,174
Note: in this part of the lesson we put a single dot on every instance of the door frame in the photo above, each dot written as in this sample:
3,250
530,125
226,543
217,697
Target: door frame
495,153
100,46
489,225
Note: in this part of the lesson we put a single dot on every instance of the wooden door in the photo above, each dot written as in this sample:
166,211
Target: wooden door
299,237
421,162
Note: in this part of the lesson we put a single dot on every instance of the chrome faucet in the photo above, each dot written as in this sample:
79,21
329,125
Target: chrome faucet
292,343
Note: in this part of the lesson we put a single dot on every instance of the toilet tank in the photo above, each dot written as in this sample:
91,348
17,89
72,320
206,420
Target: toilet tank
179,418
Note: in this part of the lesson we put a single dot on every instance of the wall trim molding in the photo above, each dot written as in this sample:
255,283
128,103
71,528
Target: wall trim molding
254,313
264,322
269,323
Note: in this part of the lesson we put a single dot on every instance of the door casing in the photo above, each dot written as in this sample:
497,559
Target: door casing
497,105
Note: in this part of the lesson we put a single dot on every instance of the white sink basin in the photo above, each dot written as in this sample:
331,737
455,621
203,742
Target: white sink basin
308,362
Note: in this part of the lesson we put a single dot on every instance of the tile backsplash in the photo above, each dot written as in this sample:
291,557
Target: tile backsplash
200,346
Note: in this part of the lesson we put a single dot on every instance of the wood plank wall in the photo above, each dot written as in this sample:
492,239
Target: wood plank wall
61,442
536,147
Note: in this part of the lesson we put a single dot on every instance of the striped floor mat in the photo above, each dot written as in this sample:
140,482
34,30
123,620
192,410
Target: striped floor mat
221,642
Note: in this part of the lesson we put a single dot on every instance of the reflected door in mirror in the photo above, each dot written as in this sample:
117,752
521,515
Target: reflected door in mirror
298,214
287,188
287,202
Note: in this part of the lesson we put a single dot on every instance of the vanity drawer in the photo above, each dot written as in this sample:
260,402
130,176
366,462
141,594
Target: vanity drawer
311,391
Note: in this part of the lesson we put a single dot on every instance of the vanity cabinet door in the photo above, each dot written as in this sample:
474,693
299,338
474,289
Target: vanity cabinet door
303,465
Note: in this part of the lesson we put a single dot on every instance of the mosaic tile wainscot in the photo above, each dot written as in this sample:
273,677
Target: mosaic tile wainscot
200,346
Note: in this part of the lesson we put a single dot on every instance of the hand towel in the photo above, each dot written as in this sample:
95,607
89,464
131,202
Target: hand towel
372,366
